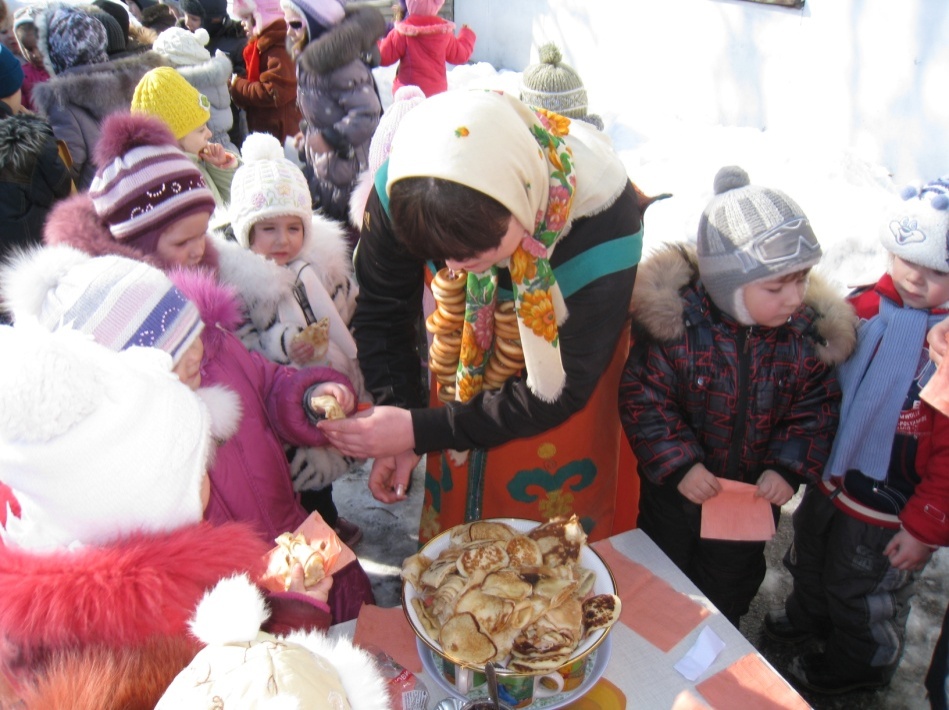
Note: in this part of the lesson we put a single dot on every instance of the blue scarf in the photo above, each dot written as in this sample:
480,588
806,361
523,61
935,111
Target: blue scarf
875,382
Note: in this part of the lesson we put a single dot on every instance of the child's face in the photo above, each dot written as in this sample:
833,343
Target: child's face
919,286
196,141
183,243
247,22
296,25
770,303
192,22
188,368
277,238
26,36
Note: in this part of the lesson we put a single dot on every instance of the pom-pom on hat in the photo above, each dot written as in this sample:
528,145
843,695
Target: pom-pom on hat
11,73
242,666
164,93
917,229
144,183
749,233
267,185
95,445
69,37
183,48
550,84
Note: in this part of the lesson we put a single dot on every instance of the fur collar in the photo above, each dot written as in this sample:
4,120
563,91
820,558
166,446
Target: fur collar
21,140
415,26
346,42
658,306
263,284
99,89
121,594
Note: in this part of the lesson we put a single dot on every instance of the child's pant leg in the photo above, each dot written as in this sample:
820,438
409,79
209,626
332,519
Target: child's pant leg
805,559
728,573
868,601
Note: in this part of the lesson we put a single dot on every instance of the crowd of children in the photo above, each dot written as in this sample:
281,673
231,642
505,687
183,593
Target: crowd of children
185,298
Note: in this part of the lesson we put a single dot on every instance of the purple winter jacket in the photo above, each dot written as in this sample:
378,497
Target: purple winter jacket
250,476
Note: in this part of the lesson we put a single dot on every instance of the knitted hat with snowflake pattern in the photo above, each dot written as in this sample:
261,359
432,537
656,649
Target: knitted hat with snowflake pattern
267,185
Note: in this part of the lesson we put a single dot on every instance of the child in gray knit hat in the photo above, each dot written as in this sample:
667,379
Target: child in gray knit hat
730,379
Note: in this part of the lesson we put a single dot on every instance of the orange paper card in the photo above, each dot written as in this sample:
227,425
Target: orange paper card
319,535
749,683
735,514
936,391
389,630
651,607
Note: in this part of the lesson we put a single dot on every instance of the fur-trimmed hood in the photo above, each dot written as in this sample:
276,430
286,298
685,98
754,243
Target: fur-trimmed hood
121,594
98,89
421,26
74,222
658,306
263,284
353,38
21,140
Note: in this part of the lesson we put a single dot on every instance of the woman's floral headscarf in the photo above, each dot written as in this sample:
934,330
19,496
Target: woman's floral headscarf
547,171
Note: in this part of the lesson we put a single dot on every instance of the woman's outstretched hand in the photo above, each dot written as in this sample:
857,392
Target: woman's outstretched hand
374,433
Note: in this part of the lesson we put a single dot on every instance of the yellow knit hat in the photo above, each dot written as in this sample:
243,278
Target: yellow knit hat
164,93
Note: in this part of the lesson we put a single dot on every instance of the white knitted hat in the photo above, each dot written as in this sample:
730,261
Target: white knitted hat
917,228
95,444
267,185
183,48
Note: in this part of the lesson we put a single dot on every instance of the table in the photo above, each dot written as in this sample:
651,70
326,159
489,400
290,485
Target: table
644,672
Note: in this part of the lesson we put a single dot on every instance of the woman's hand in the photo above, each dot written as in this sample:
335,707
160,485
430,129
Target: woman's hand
390,476
377,432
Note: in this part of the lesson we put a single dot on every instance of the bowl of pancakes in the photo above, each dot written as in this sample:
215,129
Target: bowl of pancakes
530,596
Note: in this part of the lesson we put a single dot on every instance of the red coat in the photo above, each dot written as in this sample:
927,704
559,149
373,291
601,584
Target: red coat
106,627
919,467
422,45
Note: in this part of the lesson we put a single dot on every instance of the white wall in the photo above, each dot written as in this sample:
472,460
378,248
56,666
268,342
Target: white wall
872,75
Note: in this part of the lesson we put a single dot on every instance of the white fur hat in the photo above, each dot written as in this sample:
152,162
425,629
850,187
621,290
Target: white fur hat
267,185
917,229
95,444
183,48
250,668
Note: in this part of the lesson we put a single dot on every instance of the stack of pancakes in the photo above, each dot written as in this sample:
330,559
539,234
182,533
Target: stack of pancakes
520,599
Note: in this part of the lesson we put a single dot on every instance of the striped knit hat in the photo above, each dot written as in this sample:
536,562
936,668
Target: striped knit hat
144,183
121,303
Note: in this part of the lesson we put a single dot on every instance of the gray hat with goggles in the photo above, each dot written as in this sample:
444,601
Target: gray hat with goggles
747,234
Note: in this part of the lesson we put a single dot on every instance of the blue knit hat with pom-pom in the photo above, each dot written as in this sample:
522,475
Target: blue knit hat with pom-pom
917,230
749,233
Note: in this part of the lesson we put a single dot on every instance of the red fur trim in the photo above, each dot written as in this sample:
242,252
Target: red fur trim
101,678
118,595
123,131
218,303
